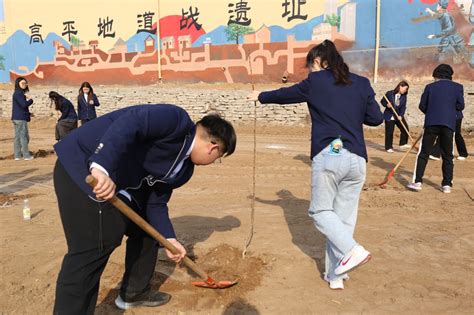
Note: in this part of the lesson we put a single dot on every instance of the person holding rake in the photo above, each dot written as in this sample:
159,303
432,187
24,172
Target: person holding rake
395,103
340,103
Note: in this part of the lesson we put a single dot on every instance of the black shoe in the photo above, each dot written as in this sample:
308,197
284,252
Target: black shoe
149,298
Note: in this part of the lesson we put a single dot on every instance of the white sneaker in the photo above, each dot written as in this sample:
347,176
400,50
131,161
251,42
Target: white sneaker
414,186
389,151
405,147
337,284
432,157
355,258
461,158
17,159
446,189
29,158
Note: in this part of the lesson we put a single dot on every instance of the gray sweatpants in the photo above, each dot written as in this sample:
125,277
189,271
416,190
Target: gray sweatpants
337,181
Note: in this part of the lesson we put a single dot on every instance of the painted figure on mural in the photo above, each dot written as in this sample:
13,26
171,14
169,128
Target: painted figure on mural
451,41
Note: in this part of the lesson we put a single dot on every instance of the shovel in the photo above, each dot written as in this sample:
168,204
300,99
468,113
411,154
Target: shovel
208,282
392,172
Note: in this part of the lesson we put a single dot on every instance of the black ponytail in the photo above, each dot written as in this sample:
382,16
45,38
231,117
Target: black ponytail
56,99
331,60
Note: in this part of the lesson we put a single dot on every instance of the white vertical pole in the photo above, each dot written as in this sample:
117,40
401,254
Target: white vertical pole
160,79
377,42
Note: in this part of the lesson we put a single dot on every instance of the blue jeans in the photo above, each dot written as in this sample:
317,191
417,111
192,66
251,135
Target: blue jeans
22,137
337,181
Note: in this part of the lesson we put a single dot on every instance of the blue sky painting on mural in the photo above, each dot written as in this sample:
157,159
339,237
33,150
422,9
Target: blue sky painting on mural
18,51
397,29
301,31
365,29
136,43
217,37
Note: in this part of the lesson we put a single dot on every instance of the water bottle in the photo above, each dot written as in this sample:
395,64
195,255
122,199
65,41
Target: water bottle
26,210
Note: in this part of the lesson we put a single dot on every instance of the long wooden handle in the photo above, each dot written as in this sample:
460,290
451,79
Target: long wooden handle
399,118
138,220
406,153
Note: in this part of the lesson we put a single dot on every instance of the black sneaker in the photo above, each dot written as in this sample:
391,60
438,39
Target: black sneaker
149,298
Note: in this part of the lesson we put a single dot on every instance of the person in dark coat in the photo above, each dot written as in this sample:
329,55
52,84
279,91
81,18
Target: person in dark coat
398,103
67,122
21,115
142,153
87,101
440,102
340,103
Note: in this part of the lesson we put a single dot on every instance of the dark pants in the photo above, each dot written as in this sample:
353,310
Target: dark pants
390,127
85,120
93,230
65,126
445,136
460,144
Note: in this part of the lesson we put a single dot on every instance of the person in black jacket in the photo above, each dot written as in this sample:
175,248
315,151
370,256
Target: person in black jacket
67,122
440,102
87,101
142,153
340,103
21,115
398,103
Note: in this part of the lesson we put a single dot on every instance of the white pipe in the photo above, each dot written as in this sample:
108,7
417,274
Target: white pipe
377,42
158,43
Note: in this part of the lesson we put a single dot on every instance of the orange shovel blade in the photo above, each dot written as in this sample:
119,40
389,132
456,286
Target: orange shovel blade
213,284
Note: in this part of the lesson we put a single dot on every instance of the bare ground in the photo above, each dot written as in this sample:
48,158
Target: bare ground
422,243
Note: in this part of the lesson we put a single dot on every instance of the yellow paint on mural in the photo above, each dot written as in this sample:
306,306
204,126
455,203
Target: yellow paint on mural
21,14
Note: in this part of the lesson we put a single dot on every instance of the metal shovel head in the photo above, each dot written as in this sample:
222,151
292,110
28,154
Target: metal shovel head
210,283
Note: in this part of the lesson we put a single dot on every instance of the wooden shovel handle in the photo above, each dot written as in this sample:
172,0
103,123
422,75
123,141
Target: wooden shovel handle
406,154
145,226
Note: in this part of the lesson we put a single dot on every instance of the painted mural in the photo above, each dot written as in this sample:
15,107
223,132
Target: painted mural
144,42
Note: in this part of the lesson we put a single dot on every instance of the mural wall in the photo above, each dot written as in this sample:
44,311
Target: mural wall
142,42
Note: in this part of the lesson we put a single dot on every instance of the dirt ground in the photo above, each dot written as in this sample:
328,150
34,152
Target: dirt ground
422,243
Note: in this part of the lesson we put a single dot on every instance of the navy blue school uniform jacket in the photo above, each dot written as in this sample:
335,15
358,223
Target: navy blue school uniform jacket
67,109
441,102
139,146
87,111
335,110
20,106
401,108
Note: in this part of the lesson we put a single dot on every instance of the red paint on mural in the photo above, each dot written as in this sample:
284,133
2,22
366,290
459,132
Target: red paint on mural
170,27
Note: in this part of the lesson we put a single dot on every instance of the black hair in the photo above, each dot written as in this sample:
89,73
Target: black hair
91,92
331,60
17,84
220,129
400,84
443,71
56,99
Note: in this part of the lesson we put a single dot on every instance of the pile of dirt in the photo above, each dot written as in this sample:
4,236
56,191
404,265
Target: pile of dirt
223,263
